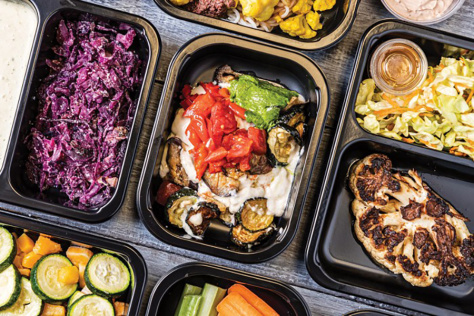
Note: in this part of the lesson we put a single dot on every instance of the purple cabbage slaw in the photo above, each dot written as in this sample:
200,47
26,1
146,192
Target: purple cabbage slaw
85,111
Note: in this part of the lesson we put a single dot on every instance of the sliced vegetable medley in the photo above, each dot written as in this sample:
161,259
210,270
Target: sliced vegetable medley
37,277
231,156
212,300
439,115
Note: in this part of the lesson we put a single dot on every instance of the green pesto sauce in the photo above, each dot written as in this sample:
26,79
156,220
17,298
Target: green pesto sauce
262,100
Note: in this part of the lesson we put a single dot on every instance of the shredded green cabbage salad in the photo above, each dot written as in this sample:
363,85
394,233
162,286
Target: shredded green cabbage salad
439,114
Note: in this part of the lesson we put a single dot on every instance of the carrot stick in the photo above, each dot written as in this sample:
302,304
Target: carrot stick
253,299
235,305
470,96
392,103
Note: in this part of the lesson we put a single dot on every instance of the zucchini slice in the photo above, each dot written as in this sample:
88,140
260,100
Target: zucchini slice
91,305
253,215
283,141
178,203
44,279
10,287
74,298
28,303
296,118
7,248
107,275
244,238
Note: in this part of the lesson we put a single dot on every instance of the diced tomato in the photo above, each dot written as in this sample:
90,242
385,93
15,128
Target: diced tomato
199,155
241,147
186,97
222,119
193,137
211,89
198,125
238,110
165,190
224,92
259,139
216,155
245,163
228,140
216,166
201,106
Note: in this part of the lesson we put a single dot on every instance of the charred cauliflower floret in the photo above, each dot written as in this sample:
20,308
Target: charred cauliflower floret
313,20
302,6
407,227
261,10
323,5
297,26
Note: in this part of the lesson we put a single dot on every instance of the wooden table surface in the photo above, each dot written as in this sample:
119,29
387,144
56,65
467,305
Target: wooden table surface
289,267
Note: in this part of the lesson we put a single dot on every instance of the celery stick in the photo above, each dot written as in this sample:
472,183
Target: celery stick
190,306
188,290
211,296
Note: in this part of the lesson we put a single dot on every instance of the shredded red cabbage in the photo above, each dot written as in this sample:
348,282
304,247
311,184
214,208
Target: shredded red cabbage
85,111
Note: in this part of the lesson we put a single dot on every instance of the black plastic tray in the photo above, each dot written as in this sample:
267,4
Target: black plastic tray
14,186
165,296
197,61
336,23
135,261
334,257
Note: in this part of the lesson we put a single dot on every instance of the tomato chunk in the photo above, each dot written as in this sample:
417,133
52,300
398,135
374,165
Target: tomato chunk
259,139
165,190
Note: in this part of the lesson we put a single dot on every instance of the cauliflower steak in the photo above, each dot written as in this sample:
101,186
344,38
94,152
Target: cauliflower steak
407,227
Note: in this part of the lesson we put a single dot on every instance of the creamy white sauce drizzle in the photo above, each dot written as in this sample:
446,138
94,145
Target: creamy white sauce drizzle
18,23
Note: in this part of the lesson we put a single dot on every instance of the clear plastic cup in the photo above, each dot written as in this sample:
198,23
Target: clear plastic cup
398,66
453,8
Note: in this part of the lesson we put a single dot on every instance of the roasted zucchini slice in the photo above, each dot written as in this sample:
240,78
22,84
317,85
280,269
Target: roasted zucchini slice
283,141
294,116
253,215
178,203
244,238
199,218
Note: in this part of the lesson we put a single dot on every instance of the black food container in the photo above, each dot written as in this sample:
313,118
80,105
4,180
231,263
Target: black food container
196,62
336,23
133,259
15,187
334,257
167,292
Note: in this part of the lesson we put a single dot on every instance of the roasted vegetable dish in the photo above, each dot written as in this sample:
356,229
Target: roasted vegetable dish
212,301
298,18
44,276
438,115
231,156
407,227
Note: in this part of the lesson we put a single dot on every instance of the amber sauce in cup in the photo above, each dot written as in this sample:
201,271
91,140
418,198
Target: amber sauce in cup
398,66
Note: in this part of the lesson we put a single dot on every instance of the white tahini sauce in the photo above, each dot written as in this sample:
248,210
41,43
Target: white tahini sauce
18,23
420,10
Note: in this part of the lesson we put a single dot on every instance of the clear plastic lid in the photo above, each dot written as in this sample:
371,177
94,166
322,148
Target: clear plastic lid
398,66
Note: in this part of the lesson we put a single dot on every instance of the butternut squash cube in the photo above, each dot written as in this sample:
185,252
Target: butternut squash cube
30,259
68,275
25,243
53,310
121,308
25,272
45,246
79,255
17,262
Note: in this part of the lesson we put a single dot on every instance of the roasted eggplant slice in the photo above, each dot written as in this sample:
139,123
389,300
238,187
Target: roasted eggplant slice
259,164
176,173
178,203
296,118
220,184
225,74
282,141
253,215
199,218
245,238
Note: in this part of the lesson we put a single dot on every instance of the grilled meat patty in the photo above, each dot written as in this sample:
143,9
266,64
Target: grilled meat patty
407,227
